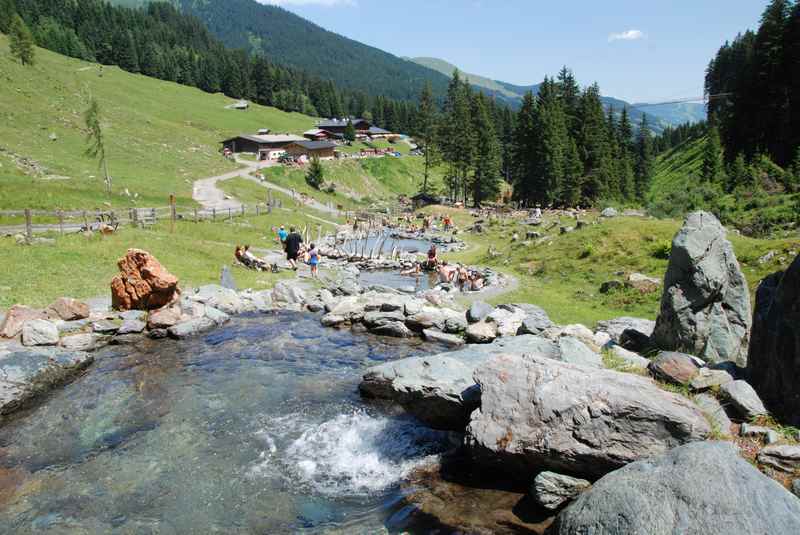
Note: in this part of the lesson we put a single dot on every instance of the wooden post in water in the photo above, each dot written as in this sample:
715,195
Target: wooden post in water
172,213
28,225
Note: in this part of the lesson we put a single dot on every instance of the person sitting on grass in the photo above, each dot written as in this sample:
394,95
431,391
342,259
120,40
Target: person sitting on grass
253,260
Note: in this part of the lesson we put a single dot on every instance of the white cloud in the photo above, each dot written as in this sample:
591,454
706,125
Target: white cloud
630,35
325,3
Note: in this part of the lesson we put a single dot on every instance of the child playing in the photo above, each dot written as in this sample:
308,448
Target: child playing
313,259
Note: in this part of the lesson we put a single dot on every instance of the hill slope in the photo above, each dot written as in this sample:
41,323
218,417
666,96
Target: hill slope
288,39
160,137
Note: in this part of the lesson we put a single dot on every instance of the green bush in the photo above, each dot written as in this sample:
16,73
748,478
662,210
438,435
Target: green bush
662,250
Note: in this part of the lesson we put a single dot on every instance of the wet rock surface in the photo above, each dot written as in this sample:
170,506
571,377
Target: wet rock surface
26,374
695,489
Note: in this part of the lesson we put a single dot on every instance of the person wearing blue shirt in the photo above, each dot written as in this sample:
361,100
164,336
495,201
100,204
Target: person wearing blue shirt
282,234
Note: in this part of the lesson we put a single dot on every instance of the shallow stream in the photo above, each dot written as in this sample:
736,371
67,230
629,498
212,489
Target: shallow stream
256,427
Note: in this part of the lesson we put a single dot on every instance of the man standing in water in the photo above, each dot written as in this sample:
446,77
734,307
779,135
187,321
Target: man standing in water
293,241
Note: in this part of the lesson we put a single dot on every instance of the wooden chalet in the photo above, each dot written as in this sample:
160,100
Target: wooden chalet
266,147
318,134
324,150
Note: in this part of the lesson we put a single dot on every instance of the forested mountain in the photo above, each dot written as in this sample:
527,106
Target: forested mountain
287,39
675,114
755,86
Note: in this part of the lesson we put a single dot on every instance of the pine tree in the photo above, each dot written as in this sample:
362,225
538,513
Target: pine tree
425,132
96,139
523,151
712,168
457,138
627,178
644,159
486,174
552,144
7,11
316,173
349,131
20,41
737,174
594,146
570,194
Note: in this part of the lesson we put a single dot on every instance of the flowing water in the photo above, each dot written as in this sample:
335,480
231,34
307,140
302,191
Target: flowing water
408,245
255,428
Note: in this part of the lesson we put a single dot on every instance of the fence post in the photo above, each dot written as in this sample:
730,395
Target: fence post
153,214
85,220
214,214
135,217
242,210
257,210
28,225
195,214
230,214
61,221
172,213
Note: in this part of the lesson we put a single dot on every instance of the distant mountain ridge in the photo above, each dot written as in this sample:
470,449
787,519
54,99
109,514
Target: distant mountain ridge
660,115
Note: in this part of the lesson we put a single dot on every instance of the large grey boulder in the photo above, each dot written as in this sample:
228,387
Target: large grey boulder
705,307
286,292
450,340
39,333
773,364
537,413
615,327
439,389
674,367
79,342
695,489
483,332
508,319
552,490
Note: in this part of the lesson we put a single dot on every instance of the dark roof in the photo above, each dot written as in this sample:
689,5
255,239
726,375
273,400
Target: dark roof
244,136
315,145
376,130
333,123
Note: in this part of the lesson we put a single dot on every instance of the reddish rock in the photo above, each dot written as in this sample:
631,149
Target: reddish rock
164,318
143,284
68,309
674,367
16,316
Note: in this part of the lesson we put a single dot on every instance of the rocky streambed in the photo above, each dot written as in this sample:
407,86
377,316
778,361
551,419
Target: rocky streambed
358,409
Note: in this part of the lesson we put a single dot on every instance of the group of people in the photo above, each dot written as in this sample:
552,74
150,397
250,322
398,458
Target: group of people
293,246
295,249
466,279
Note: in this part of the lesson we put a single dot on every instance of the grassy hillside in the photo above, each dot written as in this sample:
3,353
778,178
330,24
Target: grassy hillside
677,189
563,274
160,136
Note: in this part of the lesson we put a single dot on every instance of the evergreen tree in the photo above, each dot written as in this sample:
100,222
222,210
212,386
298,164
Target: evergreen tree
96,139
125,52
457,138
644,159
316,173
425,132
524,148
20,41
737,174
552,144
486,174
7,11
571,186
627,178
349,131
712,168
594,146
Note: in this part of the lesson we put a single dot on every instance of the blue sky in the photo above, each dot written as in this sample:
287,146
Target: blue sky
644,50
